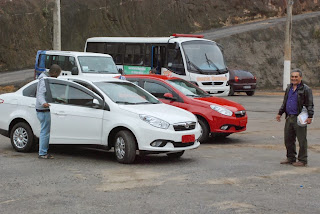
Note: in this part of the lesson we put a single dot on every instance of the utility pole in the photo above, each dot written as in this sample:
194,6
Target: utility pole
287,46
56,26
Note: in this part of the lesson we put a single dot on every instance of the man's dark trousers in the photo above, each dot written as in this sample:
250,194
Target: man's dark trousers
292,131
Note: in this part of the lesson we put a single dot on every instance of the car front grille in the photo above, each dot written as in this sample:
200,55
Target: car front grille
240,113
175,144
212,83
184,126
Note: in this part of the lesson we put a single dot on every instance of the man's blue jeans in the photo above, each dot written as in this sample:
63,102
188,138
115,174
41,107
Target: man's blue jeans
45,122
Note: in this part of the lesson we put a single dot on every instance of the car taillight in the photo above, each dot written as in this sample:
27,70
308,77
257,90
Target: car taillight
236,79
1,101
255,78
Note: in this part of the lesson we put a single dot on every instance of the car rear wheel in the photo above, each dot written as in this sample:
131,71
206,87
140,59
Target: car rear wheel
22,138
250,93
204,130
175,155
125,147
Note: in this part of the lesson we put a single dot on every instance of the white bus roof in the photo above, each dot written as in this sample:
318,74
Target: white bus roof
75,53
162,40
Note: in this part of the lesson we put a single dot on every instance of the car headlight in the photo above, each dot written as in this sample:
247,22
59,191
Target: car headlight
221,110
153,121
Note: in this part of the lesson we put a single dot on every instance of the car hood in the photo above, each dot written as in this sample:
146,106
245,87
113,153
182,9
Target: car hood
162,111
233,106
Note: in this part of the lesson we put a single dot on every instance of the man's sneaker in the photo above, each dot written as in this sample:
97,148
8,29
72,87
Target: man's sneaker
287,161
299,164
47,156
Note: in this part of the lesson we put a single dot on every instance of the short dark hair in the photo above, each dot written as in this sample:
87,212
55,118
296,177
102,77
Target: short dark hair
297,70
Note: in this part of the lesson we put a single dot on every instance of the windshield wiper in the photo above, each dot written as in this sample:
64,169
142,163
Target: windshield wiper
125,102
196,67
210,62
109,72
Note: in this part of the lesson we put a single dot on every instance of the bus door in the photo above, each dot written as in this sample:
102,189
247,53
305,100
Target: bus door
158,58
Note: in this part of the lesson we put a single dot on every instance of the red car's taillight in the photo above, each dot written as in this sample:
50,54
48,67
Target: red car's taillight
236,79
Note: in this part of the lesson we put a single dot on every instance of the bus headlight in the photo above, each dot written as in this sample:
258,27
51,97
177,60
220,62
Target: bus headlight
153,121
221,110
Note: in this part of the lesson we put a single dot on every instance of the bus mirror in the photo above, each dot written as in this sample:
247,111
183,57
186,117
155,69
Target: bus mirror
74,71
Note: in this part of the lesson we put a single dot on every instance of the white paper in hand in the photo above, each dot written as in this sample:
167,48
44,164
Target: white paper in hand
302,117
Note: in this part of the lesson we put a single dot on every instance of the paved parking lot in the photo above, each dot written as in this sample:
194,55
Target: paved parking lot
240,174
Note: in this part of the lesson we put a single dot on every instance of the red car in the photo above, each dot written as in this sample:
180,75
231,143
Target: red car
242,81
216,115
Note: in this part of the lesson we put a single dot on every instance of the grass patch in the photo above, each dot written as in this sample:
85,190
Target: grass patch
7,89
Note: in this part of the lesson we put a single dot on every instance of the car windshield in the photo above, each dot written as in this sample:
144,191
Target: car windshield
204,57
97,64
126,93
188,88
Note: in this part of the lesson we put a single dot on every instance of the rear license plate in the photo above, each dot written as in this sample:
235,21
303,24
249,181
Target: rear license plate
247,86
188,138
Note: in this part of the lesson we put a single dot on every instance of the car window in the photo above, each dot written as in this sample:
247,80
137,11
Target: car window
156,89
30,91
241,73
187,88
66,94
126,93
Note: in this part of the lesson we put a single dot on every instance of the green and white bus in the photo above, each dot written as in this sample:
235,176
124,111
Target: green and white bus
186,56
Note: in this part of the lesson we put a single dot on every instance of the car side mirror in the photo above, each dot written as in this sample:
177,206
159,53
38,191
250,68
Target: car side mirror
169,96
74,71
96,103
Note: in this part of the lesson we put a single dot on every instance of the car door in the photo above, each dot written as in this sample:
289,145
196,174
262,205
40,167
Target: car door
75,119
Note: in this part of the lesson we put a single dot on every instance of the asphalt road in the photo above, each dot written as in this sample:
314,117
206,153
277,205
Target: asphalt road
240,174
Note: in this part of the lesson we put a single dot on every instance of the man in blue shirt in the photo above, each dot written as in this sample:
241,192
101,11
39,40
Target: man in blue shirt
43,111
297,96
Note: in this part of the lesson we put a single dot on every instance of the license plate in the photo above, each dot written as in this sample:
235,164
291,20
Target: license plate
213,92
247,86
188,138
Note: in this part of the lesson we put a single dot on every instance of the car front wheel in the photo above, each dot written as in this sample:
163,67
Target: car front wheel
204,131
22,138
125,147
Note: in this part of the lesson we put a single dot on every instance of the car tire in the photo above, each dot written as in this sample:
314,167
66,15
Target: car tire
125,147
250,93
231,92
204,130
22,138
175,155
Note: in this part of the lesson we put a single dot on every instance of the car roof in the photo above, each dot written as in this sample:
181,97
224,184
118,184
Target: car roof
73,53
92,78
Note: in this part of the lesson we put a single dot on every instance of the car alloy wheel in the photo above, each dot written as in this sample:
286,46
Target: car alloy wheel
20,138
120,148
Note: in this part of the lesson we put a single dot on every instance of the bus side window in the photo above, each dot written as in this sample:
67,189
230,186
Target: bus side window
134,54
48,61
96,47
175,62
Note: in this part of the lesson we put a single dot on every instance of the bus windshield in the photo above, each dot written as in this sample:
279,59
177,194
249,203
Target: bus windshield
204,57
95,64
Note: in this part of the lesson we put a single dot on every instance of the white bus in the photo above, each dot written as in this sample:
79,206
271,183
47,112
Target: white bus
189,57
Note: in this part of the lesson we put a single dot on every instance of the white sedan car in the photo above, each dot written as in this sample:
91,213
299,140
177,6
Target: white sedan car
112,113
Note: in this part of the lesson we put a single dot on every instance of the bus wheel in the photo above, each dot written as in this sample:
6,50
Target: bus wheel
125,147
